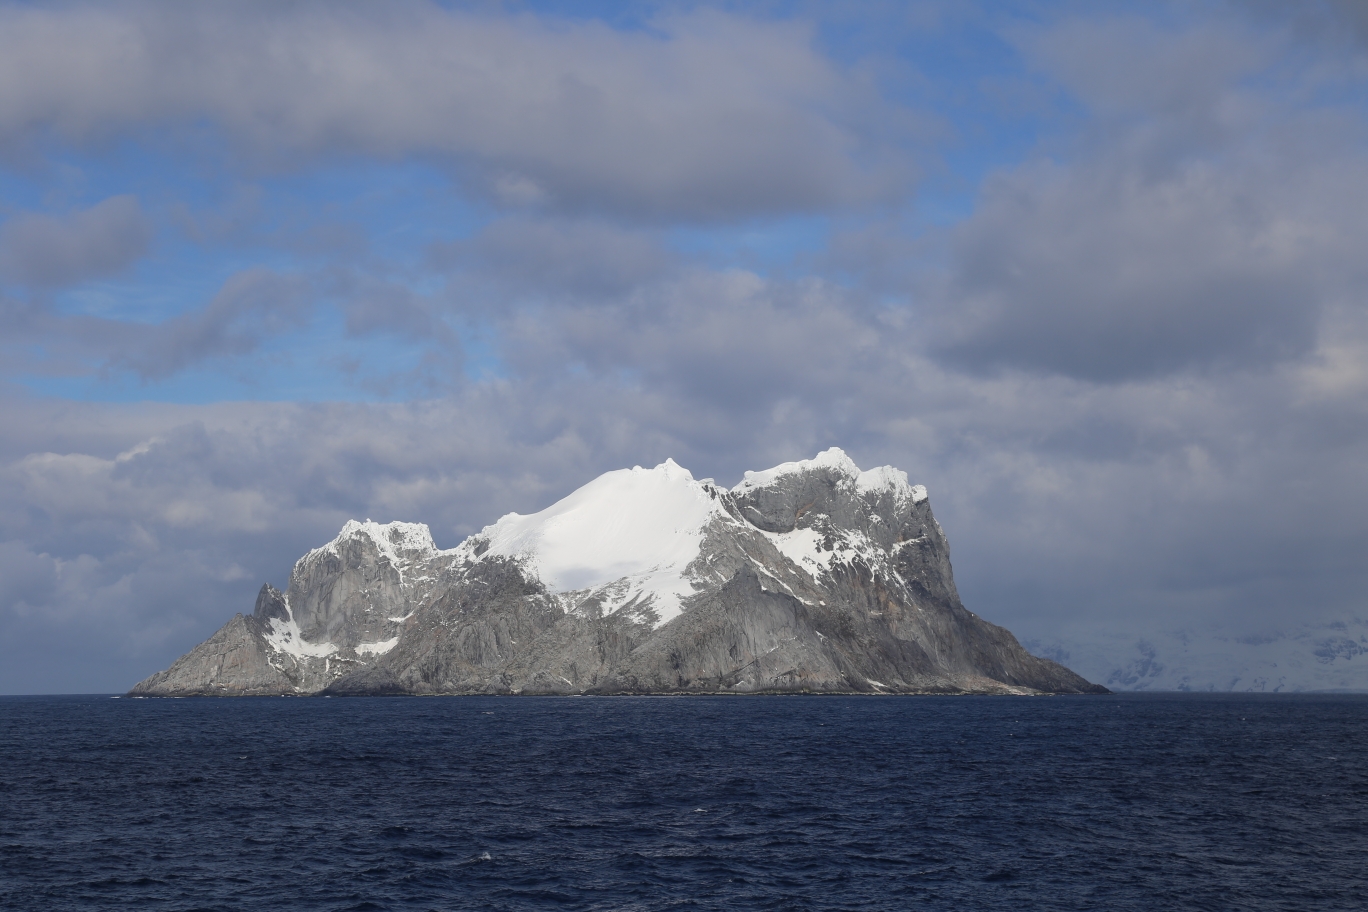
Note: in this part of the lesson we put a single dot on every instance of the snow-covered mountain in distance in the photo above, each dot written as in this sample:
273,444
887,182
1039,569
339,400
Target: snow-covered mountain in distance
813,576
1319,656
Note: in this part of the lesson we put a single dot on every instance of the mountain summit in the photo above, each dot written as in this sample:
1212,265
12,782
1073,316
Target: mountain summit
812,576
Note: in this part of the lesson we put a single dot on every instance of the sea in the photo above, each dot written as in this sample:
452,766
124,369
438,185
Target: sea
1131,801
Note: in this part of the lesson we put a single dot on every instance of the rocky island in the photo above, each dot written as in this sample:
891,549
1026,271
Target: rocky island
811,577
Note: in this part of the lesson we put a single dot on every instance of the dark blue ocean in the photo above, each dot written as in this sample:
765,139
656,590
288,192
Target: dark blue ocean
1145,802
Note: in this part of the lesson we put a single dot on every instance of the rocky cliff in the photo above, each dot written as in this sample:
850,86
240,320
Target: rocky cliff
813,576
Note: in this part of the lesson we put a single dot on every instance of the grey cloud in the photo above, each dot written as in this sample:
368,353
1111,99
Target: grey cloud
727,340
26,579
1159,247
1183,81
373,306
237,218
37,339
559,258
1107,277
1330,23
51,251
704,116
250,308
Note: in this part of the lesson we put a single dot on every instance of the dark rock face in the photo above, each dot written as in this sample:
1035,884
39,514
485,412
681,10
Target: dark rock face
818,578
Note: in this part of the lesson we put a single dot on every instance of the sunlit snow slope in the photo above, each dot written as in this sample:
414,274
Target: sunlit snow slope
641,525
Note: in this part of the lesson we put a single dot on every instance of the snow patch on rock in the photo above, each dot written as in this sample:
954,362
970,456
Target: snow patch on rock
284,637
802,547
379,648
807,549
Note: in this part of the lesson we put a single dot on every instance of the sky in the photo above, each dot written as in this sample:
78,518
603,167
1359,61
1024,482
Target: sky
1093,273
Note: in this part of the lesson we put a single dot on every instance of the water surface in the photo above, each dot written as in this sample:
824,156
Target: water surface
958,803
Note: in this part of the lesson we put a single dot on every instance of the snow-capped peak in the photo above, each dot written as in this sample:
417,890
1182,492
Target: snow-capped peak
834,458
398,541
887,478
884,478
644,525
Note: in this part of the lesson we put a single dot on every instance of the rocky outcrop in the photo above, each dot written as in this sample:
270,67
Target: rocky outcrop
811,577
235,660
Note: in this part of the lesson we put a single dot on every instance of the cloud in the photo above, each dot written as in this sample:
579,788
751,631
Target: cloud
251,307
705,116
26,579
1329,23
1197,226
1099,274
373,307
558,258
55,251
1183,82
730,340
